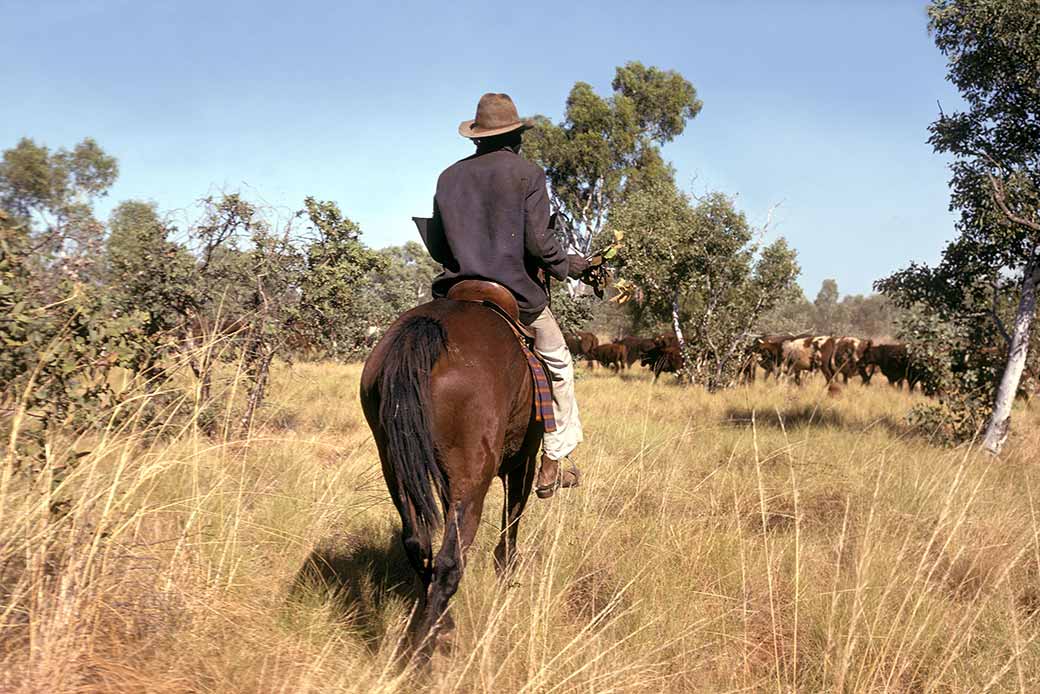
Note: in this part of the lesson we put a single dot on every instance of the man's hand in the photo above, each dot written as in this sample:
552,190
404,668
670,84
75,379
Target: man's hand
596,275
577,266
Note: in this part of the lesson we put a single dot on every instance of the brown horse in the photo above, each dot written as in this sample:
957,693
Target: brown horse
448,395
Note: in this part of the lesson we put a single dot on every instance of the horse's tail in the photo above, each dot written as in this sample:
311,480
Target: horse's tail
404,413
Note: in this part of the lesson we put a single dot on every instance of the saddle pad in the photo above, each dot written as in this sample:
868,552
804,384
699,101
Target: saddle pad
543,403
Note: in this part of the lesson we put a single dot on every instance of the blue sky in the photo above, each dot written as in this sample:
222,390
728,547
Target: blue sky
822,106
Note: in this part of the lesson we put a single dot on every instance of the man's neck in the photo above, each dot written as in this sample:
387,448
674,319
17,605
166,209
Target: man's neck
485,149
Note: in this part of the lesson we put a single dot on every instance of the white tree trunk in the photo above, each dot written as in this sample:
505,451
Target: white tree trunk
1000,420
684,372
676,326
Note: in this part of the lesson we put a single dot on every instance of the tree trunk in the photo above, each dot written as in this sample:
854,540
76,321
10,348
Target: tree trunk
256,393
677,328
200,362
716,379
206,381
675,322
999,424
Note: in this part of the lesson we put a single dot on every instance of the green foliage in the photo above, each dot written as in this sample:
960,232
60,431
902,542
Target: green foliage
662,244
954,369
52,191
993,48
607,146
266,289
33,180
573,313
826,302
335,290
957,342
60,332
57,355
147,272
699,264
403,281
253,286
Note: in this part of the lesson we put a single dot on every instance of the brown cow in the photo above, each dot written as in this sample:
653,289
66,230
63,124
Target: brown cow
848,355
770,351
823,355
637,347
666,341
588,342
614,355
894,362
581,344
573,344
665,357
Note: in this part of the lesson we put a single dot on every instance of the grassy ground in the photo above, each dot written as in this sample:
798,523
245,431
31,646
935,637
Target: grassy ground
762,539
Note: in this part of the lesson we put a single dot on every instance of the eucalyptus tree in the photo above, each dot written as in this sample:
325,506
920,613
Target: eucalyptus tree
993,49
605,146
52,193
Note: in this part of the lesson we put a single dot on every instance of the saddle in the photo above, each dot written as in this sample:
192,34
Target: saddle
494,296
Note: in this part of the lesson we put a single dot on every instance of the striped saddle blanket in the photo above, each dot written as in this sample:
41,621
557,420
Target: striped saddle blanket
543,402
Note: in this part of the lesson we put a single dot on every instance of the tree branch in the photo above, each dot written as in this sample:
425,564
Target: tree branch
769,216
999,195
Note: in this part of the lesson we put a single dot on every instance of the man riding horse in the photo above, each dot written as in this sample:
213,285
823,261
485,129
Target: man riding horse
491,221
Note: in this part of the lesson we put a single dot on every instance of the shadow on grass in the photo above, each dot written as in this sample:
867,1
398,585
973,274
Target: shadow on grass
816,416
359,576
807,415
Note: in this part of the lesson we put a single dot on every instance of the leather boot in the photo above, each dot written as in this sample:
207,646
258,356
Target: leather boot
550,478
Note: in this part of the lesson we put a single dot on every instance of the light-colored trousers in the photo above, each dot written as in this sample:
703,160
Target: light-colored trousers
550,346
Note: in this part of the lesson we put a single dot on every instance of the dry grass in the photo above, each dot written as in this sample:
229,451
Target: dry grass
763,539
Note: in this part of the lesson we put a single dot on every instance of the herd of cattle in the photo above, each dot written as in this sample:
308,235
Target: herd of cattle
781,356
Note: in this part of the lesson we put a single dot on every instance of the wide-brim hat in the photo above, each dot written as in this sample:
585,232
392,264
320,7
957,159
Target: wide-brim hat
496,115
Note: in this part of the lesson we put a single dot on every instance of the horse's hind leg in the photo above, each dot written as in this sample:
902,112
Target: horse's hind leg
461,523
419,550
517,484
